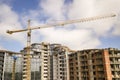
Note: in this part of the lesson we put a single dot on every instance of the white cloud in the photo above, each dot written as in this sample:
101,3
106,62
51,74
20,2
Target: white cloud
84,8
9,20
80,36
53,8
116,29
81,8
109,6
77,10
75,39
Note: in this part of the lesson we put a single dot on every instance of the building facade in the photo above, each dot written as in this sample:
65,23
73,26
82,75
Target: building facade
40,51
45,52
41,62
95,64
6,65
57,62
61,63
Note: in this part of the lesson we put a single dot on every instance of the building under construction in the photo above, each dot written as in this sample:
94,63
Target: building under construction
42,54
61,63
95,64
48,62
44,61
6,65
40,63
57,62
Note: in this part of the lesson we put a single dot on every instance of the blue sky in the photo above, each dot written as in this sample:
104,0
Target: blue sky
24,5
95,34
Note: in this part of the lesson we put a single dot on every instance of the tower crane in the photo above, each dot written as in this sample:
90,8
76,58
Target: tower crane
26,58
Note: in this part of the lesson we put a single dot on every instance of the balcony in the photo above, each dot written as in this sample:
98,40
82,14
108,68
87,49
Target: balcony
100,69
101,76
1,58
115,62
117,69
115,76
114,55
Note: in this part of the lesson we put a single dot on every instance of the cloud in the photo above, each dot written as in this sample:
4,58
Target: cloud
116,29
75,39
9,20
81,9
80,35
76,36
77,10
53,6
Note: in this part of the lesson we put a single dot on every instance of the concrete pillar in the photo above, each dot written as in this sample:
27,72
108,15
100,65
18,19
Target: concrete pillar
90,66
107,68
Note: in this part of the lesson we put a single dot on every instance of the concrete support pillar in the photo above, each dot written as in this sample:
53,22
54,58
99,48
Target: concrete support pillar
107,68
90,66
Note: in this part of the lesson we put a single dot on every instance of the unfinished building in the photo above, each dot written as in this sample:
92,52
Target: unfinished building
60,63
41,52
73,66
95,64
40,63
6,65
45,51
57,62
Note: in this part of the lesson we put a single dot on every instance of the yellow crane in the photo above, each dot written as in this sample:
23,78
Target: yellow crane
26,58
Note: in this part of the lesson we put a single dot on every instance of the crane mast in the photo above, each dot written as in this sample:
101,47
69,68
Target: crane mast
26,57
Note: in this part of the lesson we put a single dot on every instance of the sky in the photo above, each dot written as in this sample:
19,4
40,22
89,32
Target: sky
104,33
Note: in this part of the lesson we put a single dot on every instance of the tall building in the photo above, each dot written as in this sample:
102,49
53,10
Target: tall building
61,63
95,64
73,66
58,62
6,65
40,63
42,52
53,60
45,52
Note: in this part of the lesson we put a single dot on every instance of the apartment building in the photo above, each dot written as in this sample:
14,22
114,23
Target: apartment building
57,62
6,65
43,51
73,66
95,64
40,63
7,62
61,63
